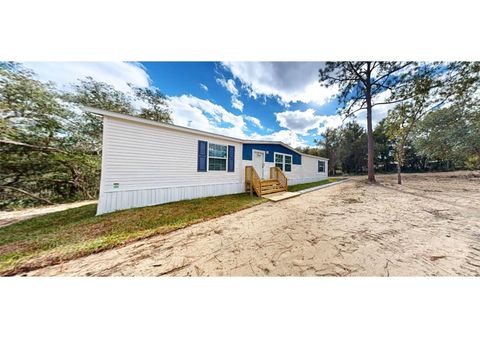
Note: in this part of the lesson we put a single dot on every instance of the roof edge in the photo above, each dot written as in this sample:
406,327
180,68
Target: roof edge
132,118
185,129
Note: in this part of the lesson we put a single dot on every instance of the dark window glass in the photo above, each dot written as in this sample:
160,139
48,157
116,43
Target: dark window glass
288,163
321,166
217,164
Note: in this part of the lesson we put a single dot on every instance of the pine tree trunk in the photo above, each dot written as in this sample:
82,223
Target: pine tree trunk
399,173
368,95
371,171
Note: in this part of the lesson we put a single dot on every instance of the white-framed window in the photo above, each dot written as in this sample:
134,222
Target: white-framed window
217,157
283,161
288,163
321,166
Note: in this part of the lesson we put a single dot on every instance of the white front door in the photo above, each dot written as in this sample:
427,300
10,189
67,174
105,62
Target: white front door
258,162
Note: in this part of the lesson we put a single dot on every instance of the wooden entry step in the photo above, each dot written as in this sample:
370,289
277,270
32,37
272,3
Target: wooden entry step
271,186
280,196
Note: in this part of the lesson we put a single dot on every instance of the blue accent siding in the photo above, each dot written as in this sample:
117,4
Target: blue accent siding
271,149
231,158
202,156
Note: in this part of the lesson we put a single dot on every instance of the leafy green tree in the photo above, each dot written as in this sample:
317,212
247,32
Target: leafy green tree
383,147
431,88
33,141
400,123
402,119
97,94
451,135
330,147
156,108
414,161
460,82
309,150
361,84
353,148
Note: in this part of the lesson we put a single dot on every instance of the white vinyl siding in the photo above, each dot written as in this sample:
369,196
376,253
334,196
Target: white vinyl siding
307,171
152,165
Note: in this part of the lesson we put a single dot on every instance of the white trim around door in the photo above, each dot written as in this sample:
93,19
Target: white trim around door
259,168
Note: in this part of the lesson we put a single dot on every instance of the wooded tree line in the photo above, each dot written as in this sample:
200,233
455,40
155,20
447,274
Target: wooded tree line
50,149
424,97
433,123
444,140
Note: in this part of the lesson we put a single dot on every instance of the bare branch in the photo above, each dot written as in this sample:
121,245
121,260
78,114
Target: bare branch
392,101
394,70
48,149
31,195
348,115
360,78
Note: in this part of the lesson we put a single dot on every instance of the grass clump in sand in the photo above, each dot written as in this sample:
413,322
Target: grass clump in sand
60,236
299,187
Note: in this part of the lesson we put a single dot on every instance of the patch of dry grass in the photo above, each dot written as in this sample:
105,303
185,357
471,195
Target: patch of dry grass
299,187
60,236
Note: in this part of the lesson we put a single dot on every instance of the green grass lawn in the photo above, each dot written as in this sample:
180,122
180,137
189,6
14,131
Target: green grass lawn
60,236
299,187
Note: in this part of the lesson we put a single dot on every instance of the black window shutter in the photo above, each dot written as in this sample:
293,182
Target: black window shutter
231,158
202,156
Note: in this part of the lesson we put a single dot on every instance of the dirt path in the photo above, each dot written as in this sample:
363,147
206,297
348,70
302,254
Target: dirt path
8,218
429,226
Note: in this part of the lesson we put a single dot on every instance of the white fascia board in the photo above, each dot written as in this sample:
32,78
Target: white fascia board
116,115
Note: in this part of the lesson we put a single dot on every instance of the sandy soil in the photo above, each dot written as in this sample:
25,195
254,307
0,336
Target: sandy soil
7,218
428,226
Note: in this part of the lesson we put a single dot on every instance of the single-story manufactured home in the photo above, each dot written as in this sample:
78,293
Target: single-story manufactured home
146,163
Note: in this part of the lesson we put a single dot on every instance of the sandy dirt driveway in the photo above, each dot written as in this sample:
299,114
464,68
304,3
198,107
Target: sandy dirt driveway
8,218
428,226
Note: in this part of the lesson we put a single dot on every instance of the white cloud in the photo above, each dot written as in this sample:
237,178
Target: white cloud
118,74
232,89
204,87
237,103
302,122
329,121
299,121
288,81
201,114
286,136
254,121
229,85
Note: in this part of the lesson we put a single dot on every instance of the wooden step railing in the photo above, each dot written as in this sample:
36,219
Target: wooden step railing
277,174
252,181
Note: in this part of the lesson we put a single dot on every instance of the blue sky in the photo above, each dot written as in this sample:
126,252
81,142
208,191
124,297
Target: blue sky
250,90
253,100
